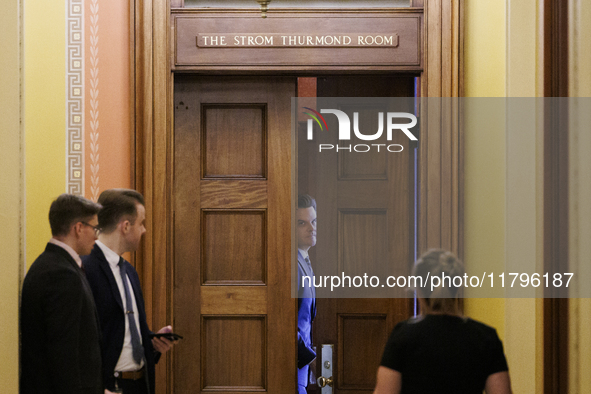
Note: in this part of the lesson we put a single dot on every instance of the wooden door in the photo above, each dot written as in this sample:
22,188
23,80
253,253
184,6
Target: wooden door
365,213
232,220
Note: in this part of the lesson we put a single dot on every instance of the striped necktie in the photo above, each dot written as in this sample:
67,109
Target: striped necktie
136,344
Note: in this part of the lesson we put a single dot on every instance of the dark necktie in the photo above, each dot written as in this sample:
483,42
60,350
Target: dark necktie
136,344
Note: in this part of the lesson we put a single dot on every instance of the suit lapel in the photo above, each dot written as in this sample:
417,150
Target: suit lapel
86,286
69,260
64,253
104,264
307,269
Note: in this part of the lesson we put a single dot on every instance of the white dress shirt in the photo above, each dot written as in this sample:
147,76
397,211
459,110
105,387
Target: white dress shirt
303,252
126,361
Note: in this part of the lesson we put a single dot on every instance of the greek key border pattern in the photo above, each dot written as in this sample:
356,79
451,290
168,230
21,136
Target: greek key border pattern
75,97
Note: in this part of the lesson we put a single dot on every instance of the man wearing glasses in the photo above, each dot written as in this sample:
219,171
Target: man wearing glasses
129,353
60,351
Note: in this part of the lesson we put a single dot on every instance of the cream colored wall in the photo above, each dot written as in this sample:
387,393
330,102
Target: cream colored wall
524,191
580,48
580,192
503,173
45,141
484,152
10,193
28,139
484,48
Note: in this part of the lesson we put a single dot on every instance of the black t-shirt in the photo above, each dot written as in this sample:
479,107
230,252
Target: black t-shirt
444,354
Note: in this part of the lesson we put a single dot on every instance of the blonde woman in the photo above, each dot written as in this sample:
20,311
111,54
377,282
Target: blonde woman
442,351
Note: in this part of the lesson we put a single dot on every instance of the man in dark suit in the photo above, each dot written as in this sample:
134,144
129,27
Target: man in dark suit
306,234
129,354
60,351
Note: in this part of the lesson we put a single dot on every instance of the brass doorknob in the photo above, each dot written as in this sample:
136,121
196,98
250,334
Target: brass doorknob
322,381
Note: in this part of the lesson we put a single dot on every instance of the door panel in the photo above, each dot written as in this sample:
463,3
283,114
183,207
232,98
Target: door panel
234,139
234,354
232,197
360,336
368,199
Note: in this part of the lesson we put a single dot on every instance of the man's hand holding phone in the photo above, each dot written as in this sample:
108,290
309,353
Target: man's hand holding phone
164,339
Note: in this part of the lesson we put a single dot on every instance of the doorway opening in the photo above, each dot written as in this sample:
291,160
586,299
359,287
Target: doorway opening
367,212
232,226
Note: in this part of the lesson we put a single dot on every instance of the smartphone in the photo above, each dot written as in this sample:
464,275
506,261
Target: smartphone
171,336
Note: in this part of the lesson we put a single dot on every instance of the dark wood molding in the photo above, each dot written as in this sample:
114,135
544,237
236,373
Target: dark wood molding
132,107
556,244
555,336
556,174
152,162
556,66
441,175
403,26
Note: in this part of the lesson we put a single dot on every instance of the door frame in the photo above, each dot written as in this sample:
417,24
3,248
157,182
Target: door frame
151,53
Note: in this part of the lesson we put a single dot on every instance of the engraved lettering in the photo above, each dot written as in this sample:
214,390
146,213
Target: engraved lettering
296,40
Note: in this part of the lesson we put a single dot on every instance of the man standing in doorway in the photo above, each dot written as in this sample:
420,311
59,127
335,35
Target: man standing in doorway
60,351
306,232
129,354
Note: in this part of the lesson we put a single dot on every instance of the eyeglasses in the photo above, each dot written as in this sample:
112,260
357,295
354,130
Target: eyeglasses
97,229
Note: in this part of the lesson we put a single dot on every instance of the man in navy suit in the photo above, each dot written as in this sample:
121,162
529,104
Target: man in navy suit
306,233
129,354
60,350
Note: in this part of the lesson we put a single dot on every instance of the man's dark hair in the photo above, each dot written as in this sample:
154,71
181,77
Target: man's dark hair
69,209
117,204
306,201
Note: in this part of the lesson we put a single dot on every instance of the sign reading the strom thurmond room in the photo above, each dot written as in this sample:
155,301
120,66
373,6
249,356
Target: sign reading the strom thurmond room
386,40
209,40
